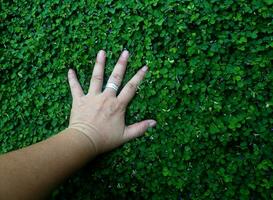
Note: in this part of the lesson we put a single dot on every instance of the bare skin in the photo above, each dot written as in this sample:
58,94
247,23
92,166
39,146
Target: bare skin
96,125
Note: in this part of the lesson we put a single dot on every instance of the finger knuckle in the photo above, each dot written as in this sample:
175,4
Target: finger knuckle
98,77
122,61
112,109
140,75
132,86
99,62
101,103
72,84
104,99
121,106
117,77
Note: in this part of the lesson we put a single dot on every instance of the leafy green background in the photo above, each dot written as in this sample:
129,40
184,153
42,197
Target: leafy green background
209,87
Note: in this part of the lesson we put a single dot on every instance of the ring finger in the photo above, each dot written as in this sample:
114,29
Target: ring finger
117,75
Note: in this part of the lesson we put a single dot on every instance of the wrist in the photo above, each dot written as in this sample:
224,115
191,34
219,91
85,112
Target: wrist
83,139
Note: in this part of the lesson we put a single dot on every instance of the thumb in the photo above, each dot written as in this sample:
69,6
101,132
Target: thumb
137,129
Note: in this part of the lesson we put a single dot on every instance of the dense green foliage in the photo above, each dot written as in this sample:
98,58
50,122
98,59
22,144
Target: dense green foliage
209,88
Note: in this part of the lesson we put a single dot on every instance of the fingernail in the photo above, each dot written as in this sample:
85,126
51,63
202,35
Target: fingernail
152,123
100,54
145,68
70,71
125,53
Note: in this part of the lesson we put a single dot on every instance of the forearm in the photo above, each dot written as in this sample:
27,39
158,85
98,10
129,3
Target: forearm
32,172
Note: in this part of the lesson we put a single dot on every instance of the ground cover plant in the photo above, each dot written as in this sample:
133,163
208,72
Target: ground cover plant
209,87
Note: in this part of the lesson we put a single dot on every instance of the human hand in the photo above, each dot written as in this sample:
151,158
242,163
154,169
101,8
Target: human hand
101,115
